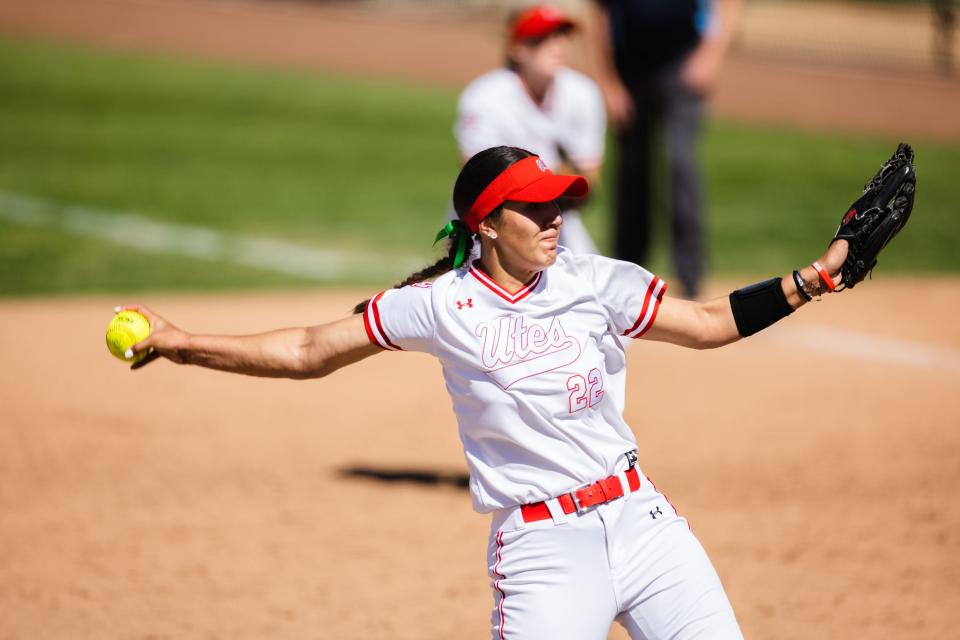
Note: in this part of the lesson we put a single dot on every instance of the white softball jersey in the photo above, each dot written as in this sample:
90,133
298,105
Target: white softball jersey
497,109
536,376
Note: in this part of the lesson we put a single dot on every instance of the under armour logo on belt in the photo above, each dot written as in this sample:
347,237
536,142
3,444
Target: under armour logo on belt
656,512
468,304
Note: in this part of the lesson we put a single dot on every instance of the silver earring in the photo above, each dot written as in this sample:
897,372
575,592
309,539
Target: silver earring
492,235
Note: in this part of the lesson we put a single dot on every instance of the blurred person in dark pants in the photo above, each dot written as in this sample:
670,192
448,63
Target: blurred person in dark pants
655,61
945,20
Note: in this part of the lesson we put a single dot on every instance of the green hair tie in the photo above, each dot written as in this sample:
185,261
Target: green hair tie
456,231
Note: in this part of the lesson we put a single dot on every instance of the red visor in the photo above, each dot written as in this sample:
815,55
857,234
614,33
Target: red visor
539,22
528,180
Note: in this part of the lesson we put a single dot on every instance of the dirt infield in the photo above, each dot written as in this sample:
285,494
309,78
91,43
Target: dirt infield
182,503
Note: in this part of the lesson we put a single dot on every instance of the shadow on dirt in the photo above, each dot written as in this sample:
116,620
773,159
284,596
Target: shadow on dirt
408,476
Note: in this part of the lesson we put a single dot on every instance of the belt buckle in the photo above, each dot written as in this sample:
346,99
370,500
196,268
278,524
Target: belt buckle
576,499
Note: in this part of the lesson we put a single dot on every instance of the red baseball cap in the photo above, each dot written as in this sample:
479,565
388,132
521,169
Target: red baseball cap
527,180
538,22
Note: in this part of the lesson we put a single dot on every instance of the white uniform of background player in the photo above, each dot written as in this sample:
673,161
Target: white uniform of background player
537,378
539,105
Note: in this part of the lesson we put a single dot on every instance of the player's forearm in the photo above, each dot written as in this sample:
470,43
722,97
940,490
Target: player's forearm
276,354
741,314
308,352
721,321
720,327
756,307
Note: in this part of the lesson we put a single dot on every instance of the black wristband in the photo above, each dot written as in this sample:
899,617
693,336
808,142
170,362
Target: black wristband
798,280
758,306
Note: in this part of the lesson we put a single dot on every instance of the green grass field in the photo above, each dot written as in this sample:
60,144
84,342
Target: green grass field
332,162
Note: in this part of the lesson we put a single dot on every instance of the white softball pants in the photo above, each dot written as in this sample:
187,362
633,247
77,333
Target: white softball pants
632,560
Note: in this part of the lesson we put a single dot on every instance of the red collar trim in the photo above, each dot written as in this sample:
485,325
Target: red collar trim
512,298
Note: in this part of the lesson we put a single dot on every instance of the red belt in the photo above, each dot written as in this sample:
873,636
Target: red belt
593,494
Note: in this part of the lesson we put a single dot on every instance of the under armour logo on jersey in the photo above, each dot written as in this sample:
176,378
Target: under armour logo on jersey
656,512
465,305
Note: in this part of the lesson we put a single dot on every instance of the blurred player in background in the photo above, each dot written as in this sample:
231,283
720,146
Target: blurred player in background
655,61
536,102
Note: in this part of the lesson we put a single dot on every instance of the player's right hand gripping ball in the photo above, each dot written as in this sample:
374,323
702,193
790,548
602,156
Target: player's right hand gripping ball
126,329
871,222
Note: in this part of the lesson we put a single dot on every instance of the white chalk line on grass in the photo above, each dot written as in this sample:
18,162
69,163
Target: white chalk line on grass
141,232
137,231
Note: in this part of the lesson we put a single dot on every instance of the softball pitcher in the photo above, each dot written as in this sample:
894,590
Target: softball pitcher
530,337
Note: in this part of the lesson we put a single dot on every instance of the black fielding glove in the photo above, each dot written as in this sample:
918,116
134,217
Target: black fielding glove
878,215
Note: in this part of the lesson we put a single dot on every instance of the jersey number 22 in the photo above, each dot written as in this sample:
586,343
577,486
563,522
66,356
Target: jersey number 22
585,392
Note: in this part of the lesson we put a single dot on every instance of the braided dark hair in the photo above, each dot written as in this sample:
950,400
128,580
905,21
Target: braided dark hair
438,268
477,173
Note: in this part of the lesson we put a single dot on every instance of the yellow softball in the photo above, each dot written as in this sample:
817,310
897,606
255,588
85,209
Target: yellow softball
126,329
